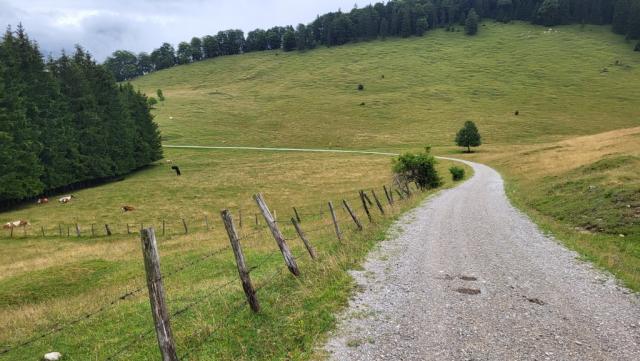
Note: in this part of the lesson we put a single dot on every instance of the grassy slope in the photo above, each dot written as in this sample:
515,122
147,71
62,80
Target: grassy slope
431,86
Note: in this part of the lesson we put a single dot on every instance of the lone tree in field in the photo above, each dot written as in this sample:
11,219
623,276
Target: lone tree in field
468,136
471,24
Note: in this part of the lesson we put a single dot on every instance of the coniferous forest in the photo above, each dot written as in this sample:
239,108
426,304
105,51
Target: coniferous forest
66,123
396,18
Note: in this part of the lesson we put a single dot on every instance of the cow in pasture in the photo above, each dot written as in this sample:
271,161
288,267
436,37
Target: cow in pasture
66,199
128,209
14,224
44,200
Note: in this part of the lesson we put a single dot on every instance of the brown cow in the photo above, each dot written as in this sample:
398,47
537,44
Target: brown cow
128,209
44,200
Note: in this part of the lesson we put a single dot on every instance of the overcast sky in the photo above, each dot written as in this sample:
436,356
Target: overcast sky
102,26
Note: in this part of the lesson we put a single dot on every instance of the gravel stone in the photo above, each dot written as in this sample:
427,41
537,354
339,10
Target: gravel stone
536,300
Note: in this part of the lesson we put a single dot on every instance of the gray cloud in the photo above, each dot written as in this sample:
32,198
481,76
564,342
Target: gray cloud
103,26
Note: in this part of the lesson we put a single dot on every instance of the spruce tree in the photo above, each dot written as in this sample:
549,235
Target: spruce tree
471,24
468,136
421,26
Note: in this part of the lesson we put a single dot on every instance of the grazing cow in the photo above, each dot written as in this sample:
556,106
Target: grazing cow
43,200
128,209
169,161
14,224
177,169
66,199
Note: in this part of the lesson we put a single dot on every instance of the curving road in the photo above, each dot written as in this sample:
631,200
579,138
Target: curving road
468,277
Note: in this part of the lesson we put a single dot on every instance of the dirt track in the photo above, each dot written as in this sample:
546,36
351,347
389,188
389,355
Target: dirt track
468,277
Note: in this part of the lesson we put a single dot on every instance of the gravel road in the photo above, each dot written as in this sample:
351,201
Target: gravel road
467,277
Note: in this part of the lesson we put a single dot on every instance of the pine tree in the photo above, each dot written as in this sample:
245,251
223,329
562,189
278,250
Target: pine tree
421,26
621,12
405,25
384,28
471,24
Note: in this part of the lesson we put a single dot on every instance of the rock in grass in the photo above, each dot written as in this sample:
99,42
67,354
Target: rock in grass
52,356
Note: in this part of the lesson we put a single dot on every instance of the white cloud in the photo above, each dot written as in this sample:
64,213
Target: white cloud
102,26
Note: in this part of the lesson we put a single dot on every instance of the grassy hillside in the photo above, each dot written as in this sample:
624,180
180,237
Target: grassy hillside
430,86
570,85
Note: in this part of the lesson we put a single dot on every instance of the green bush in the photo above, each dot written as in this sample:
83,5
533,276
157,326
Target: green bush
419,168
457,173
152,101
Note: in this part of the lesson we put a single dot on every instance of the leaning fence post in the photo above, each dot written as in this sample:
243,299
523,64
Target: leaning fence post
377,201
295,211
156,295
249,291
303,237
78,229
335,222
275,231
352,214
399,193
366,208
367,198
184,223
106,227
386,193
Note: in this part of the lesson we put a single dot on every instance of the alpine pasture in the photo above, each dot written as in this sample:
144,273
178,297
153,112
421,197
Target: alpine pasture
566,83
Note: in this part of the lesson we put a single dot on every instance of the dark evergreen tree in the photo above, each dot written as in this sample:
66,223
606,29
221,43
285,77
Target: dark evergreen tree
405,25
289,40
621,13
422,25
196,49
384,28
471,24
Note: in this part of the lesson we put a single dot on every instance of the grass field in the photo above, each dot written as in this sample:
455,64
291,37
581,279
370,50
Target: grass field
576,134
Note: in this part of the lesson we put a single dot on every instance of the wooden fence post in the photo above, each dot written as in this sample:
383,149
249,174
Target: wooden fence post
277,235
310,249
60,229
295,211
249,291
11,232
240,217
206,222
42,229
389,197
366,208
78,229
163,222
93,231
68,230
257,219
377,202
335,222
156,295
353,215
399,194
128,229
106,228
184,224
367,198
24,230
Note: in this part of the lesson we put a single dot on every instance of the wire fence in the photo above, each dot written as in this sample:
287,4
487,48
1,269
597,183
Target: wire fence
313,219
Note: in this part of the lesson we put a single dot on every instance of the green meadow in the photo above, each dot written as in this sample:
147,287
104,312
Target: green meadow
570,159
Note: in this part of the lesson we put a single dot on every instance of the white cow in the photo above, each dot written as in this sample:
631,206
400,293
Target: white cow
14,224
66,199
